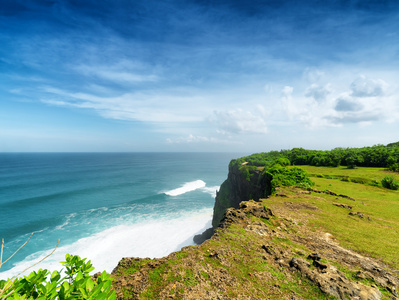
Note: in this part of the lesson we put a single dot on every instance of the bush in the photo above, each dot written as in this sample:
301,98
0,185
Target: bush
389,182
77,284
283,176
394,167
283,161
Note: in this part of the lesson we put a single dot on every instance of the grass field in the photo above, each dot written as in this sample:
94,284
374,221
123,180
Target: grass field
375,231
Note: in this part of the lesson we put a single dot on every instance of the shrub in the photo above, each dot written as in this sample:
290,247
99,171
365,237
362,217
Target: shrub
389,182
77,284
283,161
394,167
283,176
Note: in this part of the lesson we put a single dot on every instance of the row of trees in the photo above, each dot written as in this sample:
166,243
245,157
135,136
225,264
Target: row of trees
375,156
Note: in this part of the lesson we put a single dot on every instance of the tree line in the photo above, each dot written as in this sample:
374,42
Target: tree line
375,156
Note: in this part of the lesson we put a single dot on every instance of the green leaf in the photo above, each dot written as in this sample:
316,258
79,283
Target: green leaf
89,284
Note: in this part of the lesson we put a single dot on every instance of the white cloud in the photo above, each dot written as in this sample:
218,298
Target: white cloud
191,139
287,91
334,104
346,103
123,72
240,121
318,92
290,106
313,75
133,106
366,87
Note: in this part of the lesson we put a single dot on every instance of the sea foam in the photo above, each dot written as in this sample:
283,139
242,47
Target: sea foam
187,187
154,238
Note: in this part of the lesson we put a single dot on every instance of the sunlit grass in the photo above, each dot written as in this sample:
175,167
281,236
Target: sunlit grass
377,233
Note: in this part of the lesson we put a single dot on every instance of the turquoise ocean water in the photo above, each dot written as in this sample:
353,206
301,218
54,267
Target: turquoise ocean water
104,206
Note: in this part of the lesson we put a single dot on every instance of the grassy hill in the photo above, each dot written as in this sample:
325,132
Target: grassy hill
375,230
337,240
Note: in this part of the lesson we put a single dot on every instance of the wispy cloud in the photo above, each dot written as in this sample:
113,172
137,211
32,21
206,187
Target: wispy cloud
131,106
240,121
362,100
122,72
192,139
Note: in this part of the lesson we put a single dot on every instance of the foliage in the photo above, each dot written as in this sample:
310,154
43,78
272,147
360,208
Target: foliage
375,156
389,182
76,284
283,176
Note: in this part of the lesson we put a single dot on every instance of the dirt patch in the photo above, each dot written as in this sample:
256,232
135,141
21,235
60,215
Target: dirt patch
297,206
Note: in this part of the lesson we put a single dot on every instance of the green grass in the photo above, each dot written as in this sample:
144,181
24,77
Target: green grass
357,175
378,233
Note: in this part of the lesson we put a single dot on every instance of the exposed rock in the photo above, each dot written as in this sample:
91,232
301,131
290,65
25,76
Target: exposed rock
314,256
200,238
333,282
347,197
332,193
282,195
246,208
237,188
359,214
343,205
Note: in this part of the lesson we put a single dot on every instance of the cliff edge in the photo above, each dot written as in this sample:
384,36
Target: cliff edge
243,183
260,253
337,240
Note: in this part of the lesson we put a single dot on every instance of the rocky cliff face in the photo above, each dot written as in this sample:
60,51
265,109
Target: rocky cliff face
259,253
242,184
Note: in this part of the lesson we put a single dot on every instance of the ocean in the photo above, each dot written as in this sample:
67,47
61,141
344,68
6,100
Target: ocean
104,206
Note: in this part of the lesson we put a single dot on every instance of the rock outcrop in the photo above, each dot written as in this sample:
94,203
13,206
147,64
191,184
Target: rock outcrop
242,184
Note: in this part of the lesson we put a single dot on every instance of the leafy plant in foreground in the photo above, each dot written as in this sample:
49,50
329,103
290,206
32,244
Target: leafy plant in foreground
73,283
76,284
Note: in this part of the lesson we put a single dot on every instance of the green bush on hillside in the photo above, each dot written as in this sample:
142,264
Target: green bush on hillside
389,182
283,176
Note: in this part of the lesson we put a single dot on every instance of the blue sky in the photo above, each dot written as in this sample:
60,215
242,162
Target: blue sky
174,75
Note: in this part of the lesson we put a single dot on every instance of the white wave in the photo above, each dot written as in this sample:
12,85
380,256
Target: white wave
151,238
68,219
187,187
210,190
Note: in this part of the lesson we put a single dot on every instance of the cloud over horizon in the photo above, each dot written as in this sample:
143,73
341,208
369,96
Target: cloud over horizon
228,76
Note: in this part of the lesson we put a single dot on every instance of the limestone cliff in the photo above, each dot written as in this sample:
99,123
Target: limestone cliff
243,183
260,253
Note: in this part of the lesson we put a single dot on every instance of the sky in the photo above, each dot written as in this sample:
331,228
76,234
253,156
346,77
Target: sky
197,75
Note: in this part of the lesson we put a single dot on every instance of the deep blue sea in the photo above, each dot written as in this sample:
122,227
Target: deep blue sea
104,206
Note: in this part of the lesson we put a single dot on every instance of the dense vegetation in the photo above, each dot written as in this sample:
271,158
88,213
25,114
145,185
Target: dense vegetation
375,156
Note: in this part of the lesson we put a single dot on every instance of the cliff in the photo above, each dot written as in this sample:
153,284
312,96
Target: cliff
295,244
243,183
259,253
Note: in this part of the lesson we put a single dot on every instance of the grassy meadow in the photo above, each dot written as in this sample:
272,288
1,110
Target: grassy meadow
375,231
